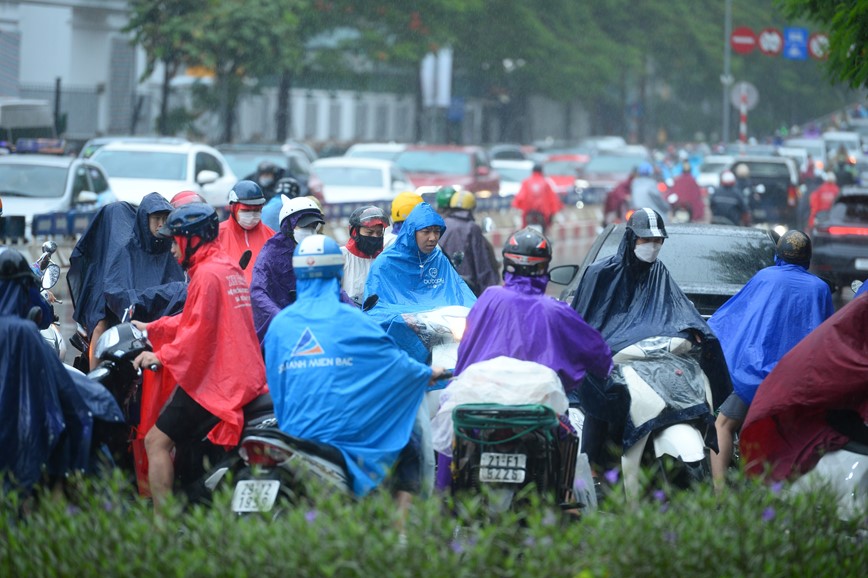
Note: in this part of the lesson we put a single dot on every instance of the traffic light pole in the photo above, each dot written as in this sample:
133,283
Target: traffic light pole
726,77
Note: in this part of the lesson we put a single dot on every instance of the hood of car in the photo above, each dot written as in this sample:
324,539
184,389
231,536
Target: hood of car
133,190
438,180
356,194
14,206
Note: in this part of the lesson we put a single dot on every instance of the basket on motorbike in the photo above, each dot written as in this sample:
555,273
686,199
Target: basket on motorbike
509,447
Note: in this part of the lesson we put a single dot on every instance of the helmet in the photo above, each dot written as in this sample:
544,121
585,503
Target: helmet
267,167
318,257
727,178
444,195
192,220
403,204
794,247
368,217
646,223
301,205
246,193
742,171
287,186
645,169
537,168
463,200
14,267
527,253
185,197
685,167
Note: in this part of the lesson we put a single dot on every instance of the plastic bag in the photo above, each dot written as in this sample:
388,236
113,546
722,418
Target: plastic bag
502,380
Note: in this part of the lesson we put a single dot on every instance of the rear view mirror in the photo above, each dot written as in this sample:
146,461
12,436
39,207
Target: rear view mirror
51,276
87,197
488,224
206,177
370,302
563,274
856,285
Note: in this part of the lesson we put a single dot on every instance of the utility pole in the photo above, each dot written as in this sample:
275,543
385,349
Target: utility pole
726,77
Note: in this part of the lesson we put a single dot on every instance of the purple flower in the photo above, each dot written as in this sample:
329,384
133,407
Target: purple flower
580,486
660,495
456,547
108,506
73,510
768,514
670,537
529,542
311,515
549,519
612,476
776,487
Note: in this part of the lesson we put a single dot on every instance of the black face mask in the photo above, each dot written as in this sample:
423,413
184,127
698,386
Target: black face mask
369,245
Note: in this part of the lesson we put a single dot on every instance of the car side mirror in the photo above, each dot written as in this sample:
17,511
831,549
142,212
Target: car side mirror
87,198
488,225
51,276
370,302
563,274
206,177
856,285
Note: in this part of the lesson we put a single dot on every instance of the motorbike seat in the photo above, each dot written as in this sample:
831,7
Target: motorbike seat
325,451
259,407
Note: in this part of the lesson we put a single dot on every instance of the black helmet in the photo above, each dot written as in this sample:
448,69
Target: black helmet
246,193
192,220
794,247
287,186
368,217
267,167
647,223
527,253
14,267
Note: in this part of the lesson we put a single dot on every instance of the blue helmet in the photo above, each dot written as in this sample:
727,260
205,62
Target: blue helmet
192,220
318,257
246,193
645,169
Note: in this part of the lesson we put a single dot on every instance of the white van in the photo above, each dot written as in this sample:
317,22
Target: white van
850,140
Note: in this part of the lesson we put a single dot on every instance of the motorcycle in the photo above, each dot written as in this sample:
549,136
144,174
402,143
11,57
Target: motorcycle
116,349
49,274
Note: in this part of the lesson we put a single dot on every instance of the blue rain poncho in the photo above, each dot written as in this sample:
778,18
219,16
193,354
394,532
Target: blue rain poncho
409,281
338,379
758,325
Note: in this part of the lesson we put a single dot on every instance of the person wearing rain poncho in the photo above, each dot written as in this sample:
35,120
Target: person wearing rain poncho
336,378
414,275
47,412
629,297
757,326
119,261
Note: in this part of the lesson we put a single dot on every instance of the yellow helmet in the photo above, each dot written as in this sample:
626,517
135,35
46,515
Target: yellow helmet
463,200
402,204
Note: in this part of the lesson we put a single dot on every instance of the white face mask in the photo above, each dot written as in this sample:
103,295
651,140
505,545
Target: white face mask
648,251
249,219
302,234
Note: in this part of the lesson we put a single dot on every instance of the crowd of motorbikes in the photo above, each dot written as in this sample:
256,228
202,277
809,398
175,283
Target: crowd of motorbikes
503,450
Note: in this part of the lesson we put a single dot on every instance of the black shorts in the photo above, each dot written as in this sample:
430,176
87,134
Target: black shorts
407,472
183,419
734,407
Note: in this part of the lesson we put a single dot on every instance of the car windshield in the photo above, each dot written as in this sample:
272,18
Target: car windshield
386,155
244,163
130,164
436,162
563,168
39,181
613,164
850,210
350,176
769,170
704,259
712,167
851,146
513,175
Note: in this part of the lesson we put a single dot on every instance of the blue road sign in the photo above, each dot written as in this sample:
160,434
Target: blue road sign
796,43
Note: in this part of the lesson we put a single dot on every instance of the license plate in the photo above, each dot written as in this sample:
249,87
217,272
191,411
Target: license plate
502,468
862,264
255,495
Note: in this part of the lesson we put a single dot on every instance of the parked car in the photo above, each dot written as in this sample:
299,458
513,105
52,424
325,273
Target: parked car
433,166
354,180
96,143
244,159
34,184
774,189
710,263
563,170
509,152
603,172
840,238
710,169
371,150
512,174
136,169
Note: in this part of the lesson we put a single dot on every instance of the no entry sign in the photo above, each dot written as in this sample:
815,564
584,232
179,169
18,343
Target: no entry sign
743,40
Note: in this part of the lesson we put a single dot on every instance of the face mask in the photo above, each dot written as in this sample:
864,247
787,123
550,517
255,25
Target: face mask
369,245
302,234
648,251
266,181
249,219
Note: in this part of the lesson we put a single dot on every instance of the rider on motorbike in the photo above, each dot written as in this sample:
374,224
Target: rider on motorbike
201,347
463,236
367,226
537,200
757,326
336,377
273,285
728,203
286,187
244,230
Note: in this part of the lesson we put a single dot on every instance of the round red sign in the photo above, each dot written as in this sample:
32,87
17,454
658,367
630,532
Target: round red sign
742,40
771,41
818,46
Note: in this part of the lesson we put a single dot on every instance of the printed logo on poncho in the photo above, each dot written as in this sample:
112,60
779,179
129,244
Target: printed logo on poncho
307,345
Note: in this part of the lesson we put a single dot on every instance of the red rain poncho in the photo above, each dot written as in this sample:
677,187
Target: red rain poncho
235,240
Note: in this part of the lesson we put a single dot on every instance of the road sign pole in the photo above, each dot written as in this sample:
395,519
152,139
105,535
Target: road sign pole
726,79
742,116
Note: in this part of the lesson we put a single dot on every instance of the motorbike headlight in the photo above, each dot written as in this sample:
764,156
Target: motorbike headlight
99,374
456,326
107,340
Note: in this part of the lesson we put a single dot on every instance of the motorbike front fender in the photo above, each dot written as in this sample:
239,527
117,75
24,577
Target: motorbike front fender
682,441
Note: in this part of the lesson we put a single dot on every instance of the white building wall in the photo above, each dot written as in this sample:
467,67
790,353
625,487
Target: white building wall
45,44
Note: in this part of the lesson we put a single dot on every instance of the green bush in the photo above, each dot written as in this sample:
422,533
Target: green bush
753,530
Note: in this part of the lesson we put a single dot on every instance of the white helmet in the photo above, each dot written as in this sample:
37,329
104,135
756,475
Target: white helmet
298,205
